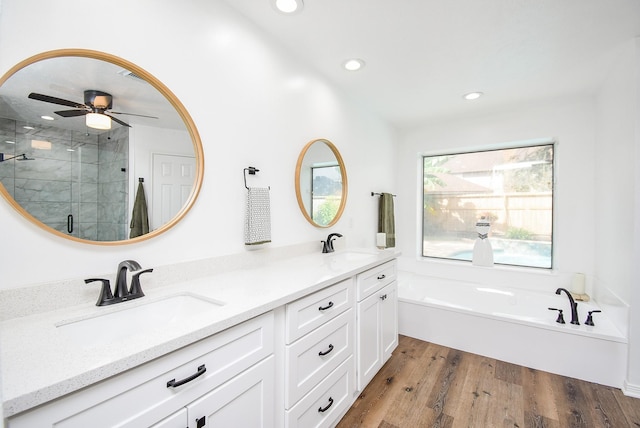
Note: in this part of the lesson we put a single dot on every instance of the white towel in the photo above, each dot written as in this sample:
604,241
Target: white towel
257,225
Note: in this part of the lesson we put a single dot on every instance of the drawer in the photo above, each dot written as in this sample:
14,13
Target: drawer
325,403
141,397
374,279
311,358
312,311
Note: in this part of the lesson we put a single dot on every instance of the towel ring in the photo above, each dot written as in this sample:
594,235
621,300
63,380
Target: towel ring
252,171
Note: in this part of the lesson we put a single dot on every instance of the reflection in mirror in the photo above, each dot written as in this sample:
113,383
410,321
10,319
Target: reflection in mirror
321,183
82,177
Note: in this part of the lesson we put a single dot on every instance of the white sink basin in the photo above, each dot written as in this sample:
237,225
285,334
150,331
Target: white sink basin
127,322
352,256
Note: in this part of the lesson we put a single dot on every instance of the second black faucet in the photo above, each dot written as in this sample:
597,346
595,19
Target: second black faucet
327,246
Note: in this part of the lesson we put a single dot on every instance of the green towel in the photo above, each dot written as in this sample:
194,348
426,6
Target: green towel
139,218
386,221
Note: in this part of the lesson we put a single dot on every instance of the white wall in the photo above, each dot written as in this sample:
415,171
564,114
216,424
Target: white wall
253,104
618,200
614,166
633,374
570,122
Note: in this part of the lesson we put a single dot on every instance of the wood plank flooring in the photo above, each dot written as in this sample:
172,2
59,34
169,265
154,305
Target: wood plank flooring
427,385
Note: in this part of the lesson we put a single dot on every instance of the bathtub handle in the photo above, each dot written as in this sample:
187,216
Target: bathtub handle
589,320
560,319
383,276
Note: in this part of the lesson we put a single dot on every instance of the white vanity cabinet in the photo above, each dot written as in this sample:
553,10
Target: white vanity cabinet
228,378
319,356
377,315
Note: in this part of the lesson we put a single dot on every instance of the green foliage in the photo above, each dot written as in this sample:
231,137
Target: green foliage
518,233
326,212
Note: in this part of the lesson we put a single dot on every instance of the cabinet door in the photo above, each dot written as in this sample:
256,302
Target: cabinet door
369,347
244,401
389,320
177,420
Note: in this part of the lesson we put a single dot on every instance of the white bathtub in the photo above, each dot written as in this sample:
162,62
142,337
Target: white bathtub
512,325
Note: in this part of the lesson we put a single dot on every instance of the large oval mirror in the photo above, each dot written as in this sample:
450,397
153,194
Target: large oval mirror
84,135
321,183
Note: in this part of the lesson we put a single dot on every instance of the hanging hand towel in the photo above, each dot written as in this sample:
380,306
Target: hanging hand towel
139,218
386,221
257,225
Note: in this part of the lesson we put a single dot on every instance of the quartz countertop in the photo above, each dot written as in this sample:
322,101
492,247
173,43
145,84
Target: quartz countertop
40,363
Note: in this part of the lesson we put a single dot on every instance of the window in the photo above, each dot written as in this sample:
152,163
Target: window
512,188
326,182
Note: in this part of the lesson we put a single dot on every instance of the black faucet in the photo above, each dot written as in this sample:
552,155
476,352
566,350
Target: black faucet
574,306
327,246
122,291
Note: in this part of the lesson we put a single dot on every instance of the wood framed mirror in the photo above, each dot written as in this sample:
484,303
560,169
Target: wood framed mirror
321,183
79,182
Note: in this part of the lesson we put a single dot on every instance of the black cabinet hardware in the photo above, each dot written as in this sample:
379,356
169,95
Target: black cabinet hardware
322,354
324,308
324,409
176,383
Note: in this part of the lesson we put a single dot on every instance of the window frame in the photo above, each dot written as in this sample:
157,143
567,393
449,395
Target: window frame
495,147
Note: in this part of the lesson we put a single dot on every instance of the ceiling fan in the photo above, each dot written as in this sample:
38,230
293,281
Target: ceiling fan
97,108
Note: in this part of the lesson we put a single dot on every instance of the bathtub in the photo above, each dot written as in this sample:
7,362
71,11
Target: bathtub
512,325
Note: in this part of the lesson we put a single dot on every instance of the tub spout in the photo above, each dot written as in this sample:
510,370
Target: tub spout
574,305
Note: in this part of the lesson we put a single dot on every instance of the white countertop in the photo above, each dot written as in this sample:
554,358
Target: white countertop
40,363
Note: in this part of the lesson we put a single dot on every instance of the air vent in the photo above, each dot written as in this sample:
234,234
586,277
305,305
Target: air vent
131,75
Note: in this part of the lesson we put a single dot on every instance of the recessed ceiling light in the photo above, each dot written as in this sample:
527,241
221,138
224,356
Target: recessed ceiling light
47,117
354,64
472,95
9,142
28,127
288,6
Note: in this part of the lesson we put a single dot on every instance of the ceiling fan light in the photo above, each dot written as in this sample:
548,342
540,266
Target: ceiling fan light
98,121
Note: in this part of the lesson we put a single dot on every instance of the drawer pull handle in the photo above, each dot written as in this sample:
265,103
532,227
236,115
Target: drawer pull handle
322,354
176,383
324,409
324,308
383,297
383,276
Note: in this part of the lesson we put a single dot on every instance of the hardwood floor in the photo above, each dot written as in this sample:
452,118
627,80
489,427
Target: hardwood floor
427,385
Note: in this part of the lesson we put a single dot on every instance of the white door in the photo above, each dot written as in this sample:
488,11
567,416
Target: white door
247,400
177,420
173,178
369,348
389,320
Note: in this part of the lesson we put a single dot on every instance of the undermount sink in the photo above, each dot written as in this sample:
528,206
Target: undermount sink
140,319
352,256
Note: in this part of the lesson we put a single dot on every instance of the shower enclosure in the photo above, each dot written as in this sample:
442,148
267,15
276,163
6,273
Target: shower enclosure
75,182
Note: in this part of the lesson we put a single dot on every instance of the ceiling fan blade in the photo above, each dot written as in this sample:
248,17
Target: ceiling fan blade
71,113
54,100
118,120
132,114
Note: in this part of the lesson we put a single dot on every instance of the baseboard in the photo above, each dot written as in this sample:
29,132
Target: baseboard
631,390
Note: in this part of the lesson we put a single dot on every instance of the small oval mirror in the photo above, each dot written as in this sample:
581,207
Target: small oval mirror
321,183
83,177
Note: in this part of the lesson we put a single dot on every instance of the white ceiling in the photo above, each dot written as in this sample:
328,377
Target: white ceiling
423,55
